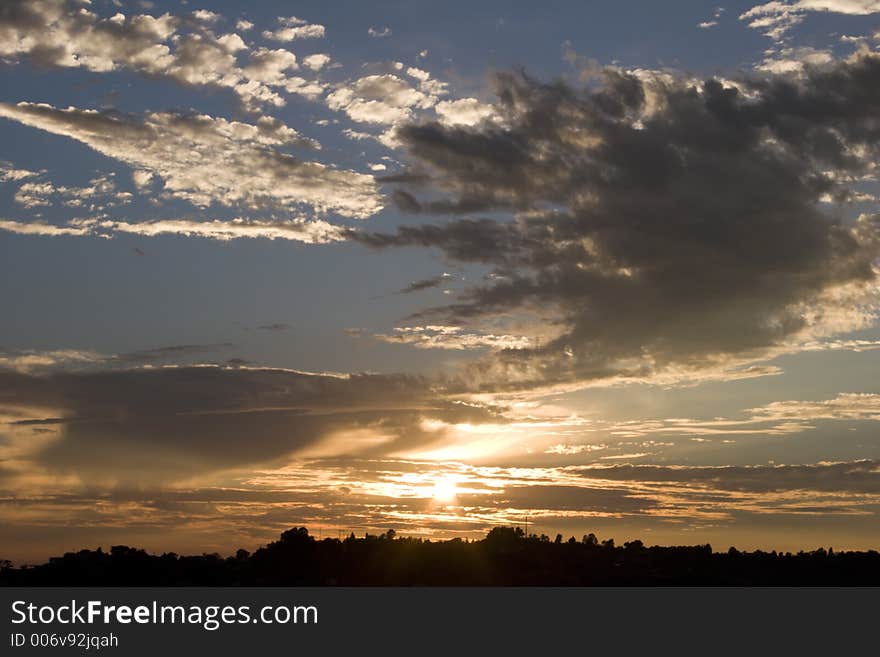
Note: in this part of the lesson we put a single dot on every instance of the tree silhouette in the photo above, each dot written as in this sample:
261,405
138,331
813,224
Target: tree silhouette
506,556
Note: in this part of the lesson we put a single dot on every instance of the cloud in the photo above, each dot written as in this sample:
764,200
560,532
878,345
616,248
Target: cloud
564,449
708,24
99,194
778,418
382,99
678,235
62,33
41,228
379,32
142,179
317,61
206,16
369,494
29,361
207,160
464,111
278,326
795,60
451,337
59,33
295,28
298,230
26,361
846,406
176,353
854,476
167,423
777,18
388,99
425,284
8,173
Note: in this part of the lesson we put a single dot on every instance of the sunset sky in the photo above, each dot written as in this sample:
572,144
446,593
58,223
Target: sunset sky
436,267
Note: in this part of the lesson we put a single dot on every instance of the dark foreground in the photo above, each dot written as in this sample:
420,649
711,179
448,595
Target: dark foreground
506,557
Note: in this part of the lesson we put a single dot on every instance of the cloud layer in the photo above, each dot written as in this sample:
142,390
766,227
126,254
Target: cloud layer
167,423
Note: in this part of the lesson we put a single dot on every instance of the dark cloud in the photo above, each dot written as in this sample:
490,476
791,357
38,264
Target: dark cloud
169,353
409,177
854,476
37,422
425,284
278,326
660,224
468,240
164,423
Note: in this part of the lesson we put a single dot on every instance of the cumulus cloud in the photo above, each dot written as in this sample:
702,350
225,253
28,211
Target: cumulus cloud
382,99
206,16
795,60
295,28
142,179
8,173
317,61
379,32
62,33
99,194
672,236
206,160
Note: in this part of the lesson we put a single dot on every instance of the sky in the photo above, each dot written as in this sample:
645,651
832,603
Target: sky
610,267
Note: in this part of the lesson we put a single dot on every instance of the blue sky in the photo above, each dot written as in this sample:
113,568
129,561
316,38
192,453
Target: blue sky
200,199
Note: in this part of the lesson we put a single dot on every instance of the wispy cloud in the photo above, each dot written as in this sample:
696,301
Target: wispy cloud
451,337
775,19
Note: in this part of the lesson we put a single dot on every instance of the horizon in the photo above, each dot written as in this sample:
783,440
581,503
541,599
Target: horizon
360,266
518,532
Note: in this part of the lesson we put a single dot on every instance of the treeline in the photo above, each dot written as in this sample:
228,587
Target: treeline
506,557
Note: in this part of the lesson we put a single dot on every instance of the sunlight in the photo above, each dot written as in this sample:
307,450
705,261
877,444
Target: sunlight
445,490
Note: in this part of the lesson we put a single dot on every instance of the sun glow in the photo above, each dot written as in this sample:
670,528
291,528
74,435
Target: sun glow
445,490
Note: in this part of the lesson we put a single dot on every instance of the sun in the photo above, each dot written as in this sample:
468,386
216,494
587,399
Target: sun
444,491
